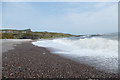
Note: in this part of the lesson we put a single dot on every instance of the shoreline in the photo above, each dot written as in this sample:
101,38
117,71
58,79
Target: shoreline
29,61
100,58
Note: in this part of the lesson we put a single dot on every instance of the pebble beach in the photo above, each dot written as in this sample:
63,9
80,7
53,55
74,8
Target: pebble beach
28,61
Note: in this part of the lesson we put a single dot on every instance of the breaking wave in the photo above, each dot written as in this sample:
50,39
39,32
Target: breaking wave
97,51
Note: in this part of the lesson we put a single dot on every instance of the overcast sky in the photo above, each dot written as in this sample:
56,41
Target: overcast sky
66,17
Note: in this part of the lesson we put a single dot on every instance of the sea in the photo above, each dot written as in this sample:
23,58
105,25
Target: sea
100,51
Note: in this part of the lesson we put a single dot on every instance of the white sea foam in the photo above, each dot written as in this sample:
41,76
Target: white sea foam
99,52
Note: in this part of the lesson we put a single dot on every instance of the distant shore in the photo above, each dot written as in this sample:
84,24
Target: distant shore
29,34
29,61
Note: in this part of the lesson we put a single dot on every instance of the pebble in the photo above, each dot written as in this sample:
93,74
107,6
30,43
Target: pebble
11,74
19,67
5,57
44,53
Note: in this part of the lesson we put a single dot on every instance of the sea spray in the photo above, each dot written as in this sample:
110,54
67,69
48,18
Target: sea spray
100,52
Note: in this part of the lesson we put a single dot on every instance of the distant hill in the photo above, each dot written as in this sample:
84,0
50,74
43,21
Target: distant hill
28,34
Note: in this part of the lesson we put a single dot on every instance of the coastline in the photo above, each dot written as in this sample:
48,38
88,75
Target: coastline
29,61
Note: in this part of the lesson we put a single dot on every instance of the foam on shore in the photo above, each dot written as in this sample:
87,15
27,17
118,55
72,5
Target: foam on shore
99,52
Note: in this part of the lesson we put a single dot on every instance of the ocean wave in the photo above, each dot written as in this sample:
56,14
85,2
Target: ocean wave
104,52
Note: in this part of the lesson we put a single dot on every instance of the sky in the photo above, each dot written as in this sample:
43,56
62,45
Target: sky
65,17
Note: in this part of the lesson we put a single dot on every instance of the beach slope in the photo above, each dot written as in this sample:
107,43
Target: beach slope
29,61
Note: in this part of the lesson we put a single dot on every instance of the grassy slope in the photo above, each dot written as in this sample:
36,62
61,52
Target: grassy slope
33,35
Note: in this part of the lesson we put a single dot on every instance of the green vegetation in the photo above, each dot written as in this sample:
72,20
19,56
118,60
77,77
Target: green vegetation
7,36
17,34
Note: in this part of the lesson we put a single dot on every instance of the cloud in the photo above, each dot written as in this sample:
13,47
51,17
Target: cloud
101,21
100,18
18,14
0,14
60,0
